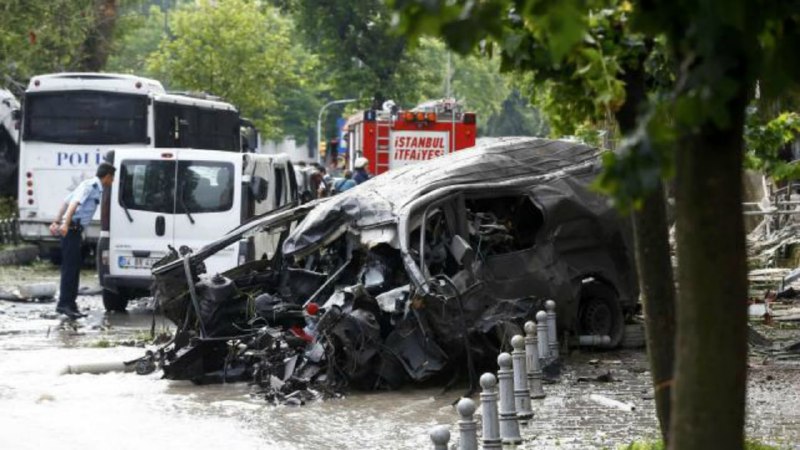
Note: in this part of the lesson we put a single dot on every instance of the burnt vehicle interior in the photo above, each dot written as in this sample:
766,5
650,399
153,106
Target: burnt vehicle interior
431,297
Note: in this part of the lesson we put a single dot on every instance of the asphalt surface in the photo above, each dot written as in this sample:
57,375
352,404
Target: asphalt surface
43,409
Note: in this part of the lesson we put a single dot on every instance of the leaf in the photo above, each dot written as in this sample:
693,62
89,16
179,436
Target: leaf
564,28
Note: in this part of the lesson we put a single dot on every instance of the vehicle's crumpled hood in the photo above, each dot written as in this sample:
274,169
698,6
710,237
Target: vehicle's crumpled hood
381,199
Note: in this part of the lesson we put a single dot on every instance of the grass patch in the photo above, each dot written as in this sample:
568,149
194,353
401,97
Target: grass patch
140,338
658,445
102,343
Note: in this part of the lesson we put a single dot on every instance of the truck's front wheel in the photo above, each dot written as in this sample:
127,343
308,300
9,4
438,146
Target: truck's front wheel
114,301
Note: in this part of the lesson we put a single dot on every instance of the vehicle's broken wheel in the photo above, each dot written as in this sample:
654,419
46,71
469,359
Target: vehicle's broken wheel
600,313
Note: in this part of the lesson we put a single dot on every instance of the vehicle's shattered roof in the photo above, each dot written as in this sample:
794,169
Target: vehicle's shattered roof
380,199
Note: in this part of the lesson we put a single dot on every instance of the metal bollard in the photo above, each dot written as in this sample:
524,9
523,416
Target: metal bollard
552,335
532,359
509,427
541,331
440,435
467,426
491,424
522,396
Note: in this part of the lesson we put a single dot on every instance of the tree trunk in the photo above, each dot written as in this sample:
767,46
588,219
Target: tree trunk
658,291
97,45
651,238
711,364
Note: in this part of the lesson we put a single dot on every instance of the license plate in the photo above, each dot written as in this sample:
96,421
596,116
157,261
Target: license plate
135,262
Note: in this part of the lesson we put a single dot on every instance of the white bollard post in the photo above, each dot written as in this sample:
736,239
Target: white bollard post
541,331
509,427
467,426
491,423
440,435
552,335
532,359
522,396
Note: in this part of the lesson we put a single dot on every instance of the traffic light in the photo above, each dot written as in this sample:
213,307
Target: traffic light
323,146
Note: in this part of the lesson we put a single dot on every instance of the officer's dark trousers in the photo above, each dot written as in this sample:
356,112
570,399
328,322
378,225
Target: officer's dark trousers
70,269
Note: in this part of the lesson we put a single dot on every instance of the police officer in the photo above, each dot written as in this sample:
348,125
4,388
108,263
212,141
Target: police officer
361,174
75,213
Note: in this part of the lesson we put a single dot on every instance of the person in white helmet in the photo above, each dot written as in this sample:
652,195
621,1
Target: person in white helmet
360,174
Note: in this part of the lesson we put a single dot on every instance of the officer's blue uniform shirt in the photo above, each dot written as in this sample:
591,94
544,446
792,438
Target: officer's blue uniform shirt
344,184
88,195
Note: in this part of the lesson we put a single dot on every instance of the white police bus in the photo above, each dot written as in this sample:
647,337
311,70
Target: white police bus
71,120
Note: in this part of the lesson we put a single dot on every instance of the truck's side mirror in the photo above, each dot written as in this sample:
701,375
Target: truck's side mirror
259,188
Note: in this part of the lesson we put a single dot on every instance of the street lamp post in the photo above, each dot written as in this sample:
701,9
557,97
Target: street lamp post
319,122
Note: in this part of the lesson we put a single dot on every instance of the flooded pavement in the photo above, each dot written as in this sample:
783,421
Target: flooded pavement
42,409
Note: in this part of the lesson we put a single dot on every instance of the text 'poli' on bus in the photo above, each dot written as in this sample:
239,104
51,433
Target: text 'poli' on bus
71,120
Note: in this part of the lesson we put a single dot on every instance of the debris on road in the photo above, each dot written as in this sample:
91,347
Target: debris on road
99,368
605,377
611,403
420,275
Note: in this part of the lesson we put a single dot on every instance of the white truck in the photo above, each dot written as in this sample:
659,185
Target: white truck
71,120
184,197
9,142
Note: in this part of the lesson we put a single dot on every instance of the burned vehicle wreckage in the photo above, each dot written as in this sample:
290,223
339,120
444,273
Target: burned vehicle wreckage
420,275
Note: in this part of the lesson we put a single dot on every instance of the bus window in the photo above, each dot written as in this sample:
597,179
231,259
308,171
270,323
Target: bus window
86,117
209,129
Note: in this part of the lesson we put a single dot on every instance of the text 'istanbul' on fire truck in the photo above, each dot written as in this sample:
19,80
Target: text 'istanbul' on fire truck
389,138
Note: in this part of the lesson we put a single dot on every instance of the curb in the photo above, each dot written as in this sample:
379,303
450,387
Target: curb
23,254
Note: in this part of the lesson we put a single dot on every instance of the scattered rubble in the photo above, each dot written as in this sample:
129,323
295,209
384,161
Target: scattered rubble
773,249
418,276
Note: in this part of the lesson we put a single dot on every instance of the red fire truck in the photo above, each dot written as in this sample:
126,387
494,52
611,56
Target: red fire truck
390,138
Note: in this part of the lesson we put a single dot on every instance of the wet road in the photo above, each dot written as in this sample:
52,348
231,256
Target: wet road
42,409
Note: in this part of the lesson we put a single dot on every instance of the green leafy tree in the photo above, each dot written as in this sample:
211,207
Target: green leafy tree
768,144
363,57
98,40
474,80
585,67
238,49
40,37
720,49
299,102
139,35
358,52
517,118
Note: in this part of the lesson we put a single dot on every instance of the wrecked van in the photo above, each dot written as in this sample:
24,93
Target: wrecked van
420,275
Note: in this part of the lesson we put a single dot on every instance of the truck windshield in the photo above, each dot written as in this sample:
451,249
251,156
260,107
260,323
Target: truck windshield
148,185
205,186
86,117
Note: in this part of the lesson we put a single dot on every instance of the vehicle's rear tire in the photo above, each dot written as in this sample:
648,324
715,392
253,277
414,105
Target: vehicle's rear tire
600,313
113,301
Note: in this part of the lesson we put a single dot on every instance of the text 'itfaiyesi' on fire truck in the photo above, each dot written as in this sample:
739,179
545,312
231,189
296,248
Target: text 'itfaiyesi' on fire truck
390,138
